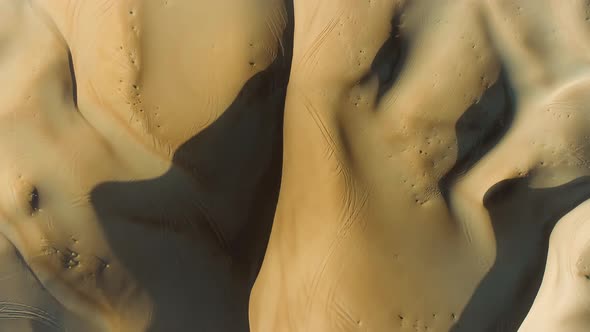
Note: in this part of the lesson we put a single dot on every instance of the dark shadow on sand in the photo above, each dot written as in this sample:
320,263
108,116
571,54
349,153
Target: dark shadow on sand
506,293
390,59
235,164
514,280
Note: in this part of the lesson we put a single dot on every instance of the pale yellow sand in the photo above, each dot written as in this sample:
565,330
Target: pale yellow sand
430,147
140,147
427,151
562,303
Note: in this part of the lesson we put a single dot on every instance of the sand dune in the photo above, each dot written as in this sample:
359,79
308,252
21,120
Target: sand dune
441,147
142,155
562,302
278,165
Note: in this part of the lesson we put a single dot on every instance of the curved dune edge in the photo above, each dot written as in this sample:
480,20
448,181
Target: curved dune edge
443,144
305,165
562,303
141,160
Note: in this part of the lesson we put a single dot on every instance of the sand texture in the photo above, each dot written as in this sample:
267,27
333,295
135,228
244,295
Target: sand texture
295,165
430,147
142,153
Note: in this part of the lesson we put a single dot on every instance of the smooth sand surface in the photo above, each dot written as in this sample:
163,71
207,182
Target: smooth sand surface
430,147
141,155
416,161
25,305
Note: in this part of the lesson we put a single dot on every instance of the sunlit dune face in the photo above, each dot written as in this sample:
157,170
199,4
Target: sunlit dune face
562,303
46,212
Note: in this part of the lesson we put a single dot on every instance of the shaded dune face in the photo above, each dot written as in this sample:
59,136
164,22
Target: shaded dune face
142,159
47,148
426,153
47,216
441,155
26,305
562,303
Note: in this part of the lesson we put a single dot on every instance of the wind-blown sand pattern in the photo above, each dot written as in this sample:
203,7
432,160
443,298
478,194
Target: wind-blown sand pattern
295,165
142,153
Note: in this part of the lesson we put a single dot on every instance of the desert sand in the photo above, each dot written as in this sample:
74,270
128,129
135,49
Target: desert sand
426,165
142,153
562,302
294,165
